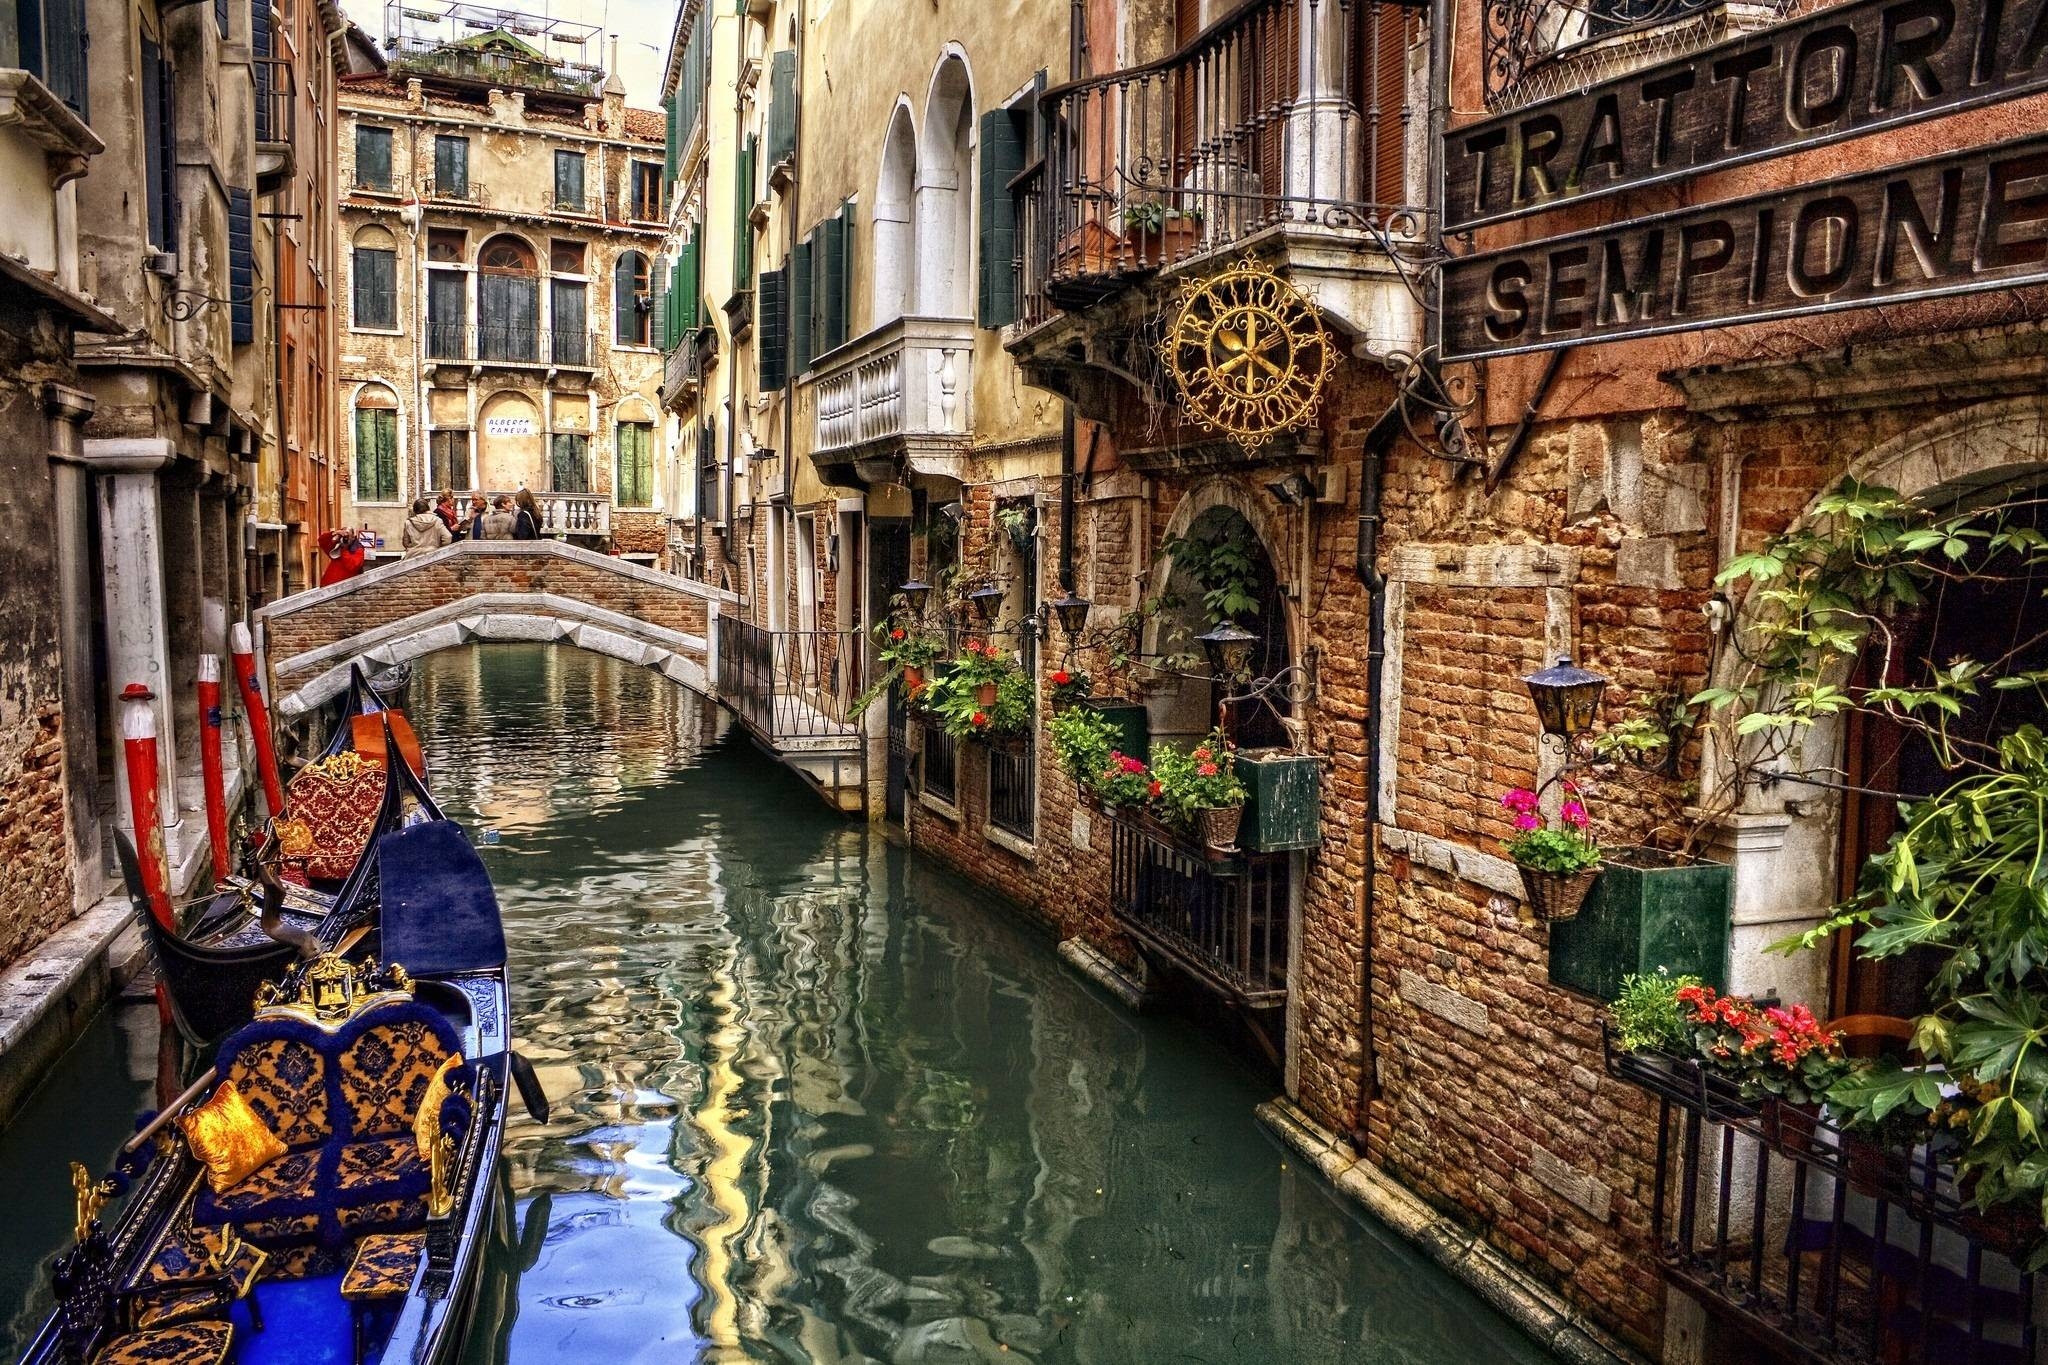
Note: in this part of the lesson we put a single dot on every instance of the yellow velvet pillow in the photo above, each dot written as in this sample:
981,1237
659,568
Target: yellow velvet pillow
426,1124
229,1138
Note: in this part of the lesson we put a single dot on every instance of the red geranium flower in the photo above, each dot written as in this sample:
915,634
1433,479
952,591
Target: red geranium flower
1060,677
1156,788
896,634
978,719
1206,770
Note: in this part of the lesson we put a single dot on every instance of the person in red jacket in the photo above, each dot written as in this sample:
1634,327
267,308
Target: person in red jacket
344,551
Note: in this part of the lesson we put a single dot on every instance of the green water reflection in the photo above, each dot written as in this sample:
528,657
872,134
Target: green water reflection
815,1101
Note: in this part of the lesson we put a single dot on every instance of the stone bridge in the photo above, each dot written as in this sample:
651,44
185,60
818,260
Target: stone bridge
546,591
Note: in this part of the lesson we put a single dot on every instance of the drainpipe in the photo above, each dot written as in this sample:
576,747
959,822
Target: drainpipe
1067,497
791,217
1378,443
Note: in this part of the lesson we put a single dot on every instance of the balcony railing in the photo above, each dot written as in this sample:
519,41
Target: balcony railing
512,345
1223,922
939,765
561,514
461,192
682,371
909,380
436,55
1833,1246
1288,112
1013,789
793,688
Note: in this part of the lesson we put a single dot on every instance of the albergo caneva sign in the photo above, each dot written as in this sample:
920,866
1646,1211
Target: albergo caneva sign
1843,71
1952,224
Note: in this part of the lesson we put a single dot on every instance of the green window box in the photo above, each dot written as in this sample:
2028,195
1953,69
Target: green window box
1646,911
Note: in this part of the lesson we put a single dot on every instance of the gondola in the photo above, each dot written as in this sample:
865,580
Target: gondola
358,1230
211,970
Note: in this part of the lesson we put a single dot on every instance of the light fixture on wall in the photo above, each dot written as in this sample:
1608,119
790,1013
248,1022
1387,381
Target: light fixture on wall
1293,490
1072,612
916,593
985,599
1567,699
1229,647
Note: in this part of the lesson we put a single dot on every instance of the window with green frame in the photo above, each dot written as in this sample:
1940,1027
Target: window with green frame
376,454
569,463
634,484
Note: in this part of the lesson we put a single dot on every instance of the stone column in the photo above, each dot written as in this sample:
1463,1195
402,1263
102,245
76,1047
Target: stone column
71,511
1322,129
137,624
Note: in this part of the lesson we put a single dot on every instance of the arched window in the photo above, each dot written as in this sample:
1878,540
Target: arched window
895,222
507,301
632,299
376,444
945,224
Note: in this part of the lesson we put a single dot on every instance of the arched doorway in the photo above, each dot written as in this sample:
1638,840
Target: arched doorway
1218,569
508,300
945,221
509,451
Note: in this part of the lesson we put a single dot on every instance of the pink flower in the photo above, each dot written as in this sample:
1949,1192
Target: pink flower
1527,821
1520,799
1573,814
1207,770
1132,765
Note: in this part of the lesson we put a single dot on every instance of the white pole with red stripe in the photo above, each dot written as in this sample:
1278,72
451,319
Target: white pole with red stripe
138,741
259,719
210,764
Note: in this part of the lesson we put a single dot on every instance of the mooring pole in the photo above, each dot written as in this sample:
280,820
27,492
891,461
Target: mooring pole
210,765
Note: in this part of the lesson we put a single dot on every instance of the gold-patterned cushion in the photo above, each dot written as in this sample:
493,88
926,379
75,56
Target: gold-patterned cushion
383,1266
337,800
228,1137
187,1343
385,1073
426,1120
177,1305
285,1082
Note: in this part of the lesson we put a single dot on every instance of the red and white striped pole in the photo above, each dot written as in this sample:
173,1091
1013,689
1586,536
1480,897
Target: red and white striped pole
259,719
210,764
138,742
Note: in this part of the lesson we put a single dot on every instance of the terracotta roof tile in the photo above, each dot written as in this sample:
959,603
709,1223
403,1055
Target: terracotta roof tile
648,125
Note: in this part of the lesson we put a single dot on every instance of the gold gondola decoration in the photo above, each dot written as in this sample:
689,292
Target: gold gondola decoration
1249,353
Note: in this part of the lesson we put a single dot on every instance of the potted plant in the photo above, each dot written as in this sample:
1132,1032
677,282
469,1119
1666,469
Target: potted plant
1201,793
1558,863
907,650
1650,909
1082,742
1160,234
981,668
1125,783
1069,689
979,702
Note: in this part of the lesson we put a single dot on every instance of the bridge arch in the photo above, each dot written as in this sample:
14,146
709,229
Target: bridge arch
536,591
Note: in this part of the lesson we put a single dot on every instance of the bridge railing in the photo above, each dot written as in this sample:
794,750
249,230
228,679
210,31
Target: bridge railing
792,686
572,514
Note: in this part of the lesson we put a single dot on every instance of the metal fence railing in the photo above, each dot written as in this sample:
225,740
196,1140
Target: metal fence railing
1225,923
1013,789
512,344
792,685
941,765
1835,1246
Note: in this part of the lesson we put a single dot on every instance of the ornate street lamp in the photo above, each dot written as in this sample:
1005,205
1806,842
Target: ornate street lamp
1229,647
1567,698
915,594
1073,613
985,599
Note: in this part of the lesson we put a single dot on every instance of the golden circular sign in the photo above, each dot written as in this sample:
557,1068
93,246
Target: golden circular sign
1249,354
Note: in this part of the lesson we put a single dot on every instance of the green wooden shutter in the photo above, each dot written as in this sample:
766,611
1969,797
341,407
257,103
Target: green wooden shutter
834,288
743,206
800,295
1002,158
771,335
672,139
241,267
686,286
782,107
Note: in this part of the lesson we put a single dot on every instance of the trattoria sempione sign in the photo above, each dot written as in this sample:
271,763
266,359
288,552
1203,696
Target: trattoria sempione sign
1846,70
1951,224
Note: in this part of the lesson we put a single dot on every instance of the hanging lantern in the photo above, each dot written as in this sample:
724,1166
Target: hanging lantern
1073,613
915,594
1229,647
985,599
1567,698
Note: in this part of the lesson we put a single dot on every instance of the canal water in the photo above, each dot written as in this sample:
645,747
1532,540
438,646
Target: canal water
817,1100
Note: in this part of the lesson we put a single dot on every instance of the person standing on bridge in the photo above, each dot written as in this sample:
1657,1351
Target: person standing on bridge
444,508
425,532
475,520
499,523
527,522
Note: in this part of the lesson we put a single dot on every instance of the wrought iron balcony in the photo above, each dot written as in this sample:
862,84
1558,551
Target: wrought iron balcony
1224,923
1834,1246
1287,113
904,387
276,122
512,344
1539,48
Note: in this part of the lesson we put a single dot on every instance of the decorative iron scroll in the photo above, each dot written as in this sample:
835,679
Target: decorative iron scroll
1539,48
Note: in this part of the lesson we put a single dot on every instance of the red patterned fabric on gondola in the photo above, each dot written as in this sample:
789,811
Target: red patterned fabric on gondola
336,801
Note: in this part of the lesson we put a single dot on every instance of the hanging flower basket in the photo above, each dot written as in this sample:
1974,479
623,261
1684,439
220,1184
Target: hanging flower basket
1557,895
1219,827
